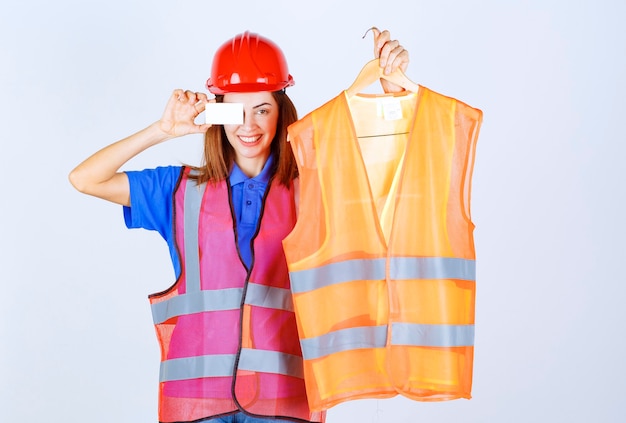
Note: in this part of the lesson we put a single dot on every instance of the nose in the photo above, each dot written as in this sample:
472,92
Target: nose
248,120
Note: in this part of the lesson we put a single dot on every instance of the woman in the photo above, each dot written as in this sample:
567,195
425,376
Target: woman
230,350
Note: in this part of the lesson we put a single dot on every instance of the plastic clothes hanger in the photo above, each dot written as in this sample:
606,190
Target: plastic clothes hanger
372,72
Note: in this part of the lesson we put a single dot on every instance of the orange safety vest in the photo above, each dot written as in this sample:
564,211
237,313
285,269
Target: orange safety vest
228,335
381,258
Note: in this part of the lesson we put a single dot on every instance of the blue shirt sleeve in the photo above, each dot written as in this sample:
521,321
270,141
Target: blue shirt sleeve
151,204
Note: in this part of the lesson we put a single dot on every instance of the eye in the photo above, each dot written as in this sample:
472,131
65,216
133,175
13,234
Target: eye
262,111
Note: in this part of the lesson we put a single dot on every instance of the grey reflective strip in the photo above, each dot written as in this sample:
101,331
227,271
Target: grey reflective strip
222,365
376,337
221,299
374,269
197,367
271,362
193,201
432,268
334,273
344,340
269,297
432,335
197,302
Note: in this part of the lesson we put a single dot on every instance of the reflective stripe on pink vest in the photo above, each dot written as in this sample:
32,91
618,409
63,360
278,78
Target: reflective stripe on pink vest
228,336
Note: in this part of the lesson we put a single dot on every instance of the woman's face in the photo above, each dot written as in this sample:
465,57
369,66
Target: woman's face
252,139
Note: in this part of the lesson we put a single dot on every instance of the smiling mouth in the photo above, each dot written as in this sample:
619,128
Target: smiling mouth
249,140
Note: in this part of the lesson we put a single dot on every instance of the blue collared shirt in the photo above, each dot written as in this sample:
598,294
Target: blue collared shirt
247,201
151,196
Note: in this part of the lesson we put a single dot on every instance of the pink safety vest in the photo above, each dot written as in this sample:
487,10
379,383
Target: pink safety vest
228,336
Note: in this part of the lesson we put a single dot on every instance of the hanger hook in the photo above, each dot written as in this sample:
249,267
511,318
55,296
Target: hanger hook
370,29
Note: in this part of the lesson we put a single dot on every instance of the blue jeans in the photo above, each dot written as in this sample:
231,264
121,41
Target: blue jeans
243,418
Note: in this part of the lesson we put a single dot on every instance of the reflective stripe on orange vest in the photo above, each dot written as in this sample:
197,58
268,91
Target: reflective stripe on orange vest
402,334
418,335
399,268
382,256
228,334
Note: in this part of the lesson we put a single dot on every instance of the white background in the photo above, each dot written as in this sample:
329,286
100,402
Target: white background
76,337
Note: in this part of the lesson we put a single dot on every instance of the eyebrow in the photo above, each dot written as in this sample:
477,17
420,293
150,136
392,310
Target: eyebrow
262,104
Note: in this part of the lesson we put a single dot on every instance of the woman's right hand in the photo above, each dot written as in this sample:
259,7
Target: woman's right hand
99,174
181,111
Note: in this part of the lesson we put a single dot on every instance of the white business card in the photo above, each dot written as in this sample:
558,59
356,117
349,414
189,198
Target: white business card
224,113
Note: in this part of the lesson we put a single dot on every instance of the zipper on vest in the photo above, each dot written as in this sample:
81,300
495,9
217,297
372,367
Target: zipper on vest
245,285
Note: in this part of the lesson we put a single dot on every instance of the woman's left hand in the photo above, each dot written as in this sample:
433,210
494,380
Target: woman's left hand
392,56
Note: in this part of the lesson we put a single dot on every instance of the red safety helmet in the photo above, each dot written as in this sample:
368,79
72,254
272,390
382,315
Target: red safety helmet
248,63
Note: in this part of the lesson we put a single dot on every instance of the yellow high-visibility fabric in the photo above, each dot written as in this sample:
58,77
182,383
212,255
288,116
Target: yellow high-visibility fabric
382,255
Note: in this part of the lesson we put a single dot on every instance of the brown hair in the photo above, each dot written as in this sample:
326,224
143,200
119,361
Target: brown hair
219,154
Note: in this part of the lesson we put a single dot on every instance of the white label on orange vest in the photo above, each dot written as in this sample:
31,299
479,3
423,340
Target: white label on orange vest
392,109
